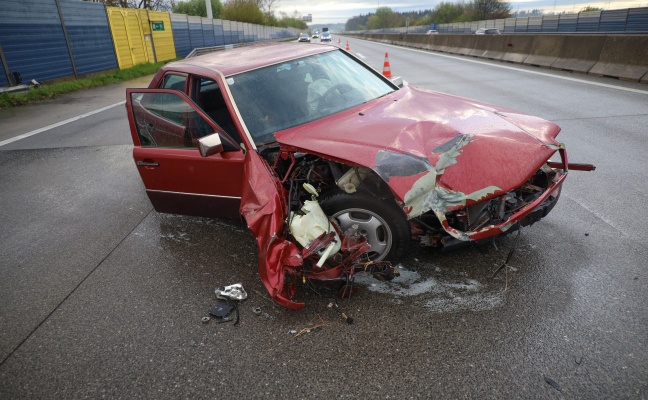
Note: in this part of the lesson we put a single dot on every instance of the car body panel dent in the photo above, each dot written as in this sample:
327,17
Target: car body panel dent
412,133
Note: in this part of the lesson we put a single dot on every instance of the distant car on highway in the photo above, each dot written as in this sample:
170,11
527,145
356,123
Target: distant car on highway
304,37
315,35
326,37
432,32
487,31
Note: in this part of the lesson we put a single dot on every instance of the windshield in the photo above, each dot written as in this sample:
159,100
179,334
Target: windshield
285,95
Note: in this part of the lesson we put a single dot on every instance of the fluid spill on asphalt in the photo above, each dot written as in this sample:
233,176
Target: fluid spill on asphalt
438,295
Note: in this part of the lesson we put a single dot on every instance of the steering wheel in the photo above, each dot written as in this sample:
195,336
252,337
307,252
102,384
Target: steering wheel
333,93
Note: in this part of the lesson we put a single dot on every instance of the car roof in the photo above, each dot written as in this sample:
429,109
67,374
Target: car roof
241,59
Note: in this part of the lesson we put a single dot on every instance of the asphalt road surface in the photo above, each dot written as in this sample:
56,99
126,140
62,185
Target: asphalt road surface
102,297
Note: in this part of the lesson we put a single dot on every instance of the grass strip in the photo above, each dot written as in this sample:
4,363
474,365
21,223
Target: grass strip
47,91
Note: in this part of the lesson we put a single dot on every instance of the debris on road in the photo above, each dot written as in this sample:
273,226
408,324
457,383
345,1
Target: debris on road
508,257
311,329
231,295
553,383
234,292
222,310
344,316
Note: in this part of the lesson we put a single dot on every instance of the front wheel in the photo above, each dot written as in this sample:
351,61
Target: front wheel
381,222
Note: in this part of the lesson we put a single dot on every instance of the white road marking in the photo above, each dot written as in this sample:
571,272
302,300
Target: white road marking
523,70
67,121
361,56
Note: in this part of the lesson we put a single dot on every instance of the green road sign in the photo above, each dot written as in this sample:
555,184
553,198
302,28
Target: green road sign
157,25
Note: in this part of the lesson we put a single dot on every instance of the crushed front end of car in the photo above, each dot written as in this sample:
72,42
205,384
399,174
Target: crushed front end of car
439,183
297,242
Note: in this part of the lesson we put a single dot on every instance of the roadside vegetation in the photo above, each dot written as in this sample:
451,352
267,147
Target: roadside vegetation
260,12
46,91
443,13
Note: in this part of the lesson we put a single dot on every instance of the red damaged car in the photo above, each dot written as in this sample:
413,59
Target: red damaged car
332,166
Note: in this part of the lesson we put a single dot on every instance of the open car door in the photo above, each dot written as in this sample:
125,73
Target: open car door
165,127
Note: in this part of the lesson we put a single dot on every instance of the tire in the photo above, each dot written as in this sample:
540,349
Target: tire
380,221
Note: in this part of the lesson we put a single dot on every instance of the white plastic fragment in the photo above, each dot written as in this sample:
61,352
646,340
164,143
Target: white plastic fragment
231,292
308,227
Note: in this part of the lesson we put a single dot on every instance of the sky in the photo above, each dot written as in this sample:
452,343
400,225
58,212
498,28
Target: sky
339,11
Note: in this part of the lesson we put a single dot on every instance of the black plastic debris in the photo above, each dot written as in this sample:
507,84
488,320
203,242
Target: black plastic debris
221,310
553,383
231,296
343,315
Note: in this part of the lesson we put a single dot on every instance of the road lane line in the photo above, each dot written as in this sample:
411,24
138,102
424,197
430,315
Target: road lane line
361,56
521,70
67,121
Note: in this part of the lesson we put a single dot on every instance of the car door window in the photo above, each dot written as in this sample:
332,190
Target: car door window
175,82
210,99
167,120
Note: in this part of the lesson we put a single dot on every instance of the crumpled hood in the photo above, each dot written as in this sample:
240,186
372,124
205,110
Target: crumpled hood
417,140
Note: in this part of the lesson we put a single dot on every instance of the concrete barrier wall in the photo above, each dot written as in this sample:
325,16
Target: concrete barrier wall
621,56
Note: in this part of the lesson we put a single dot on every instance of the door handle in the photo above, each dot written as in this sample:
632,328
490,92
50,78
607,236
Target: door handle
147,164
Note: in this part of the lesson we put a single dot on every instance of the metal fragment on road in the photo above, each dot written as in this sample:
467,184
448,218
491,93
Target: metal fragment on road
231,292
553,383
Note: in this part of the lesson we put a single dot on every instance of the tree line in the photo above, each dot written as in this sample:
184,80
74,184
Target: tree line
260,12
443,13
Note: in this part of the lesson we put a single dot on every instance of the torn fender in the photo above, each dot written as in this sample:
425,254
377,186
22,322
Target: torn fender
264,209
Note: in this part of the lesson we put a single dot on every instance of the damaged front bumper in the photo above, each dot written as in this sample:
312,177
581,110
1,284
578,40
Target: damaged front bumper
526,211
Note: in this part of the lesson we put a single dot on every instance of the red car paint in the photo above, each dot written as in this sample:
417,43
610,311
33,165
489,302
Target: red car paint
507,149
443,145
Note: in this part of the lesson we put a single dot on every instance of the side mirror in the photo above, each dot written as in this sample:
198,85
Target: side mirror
398,81
210,144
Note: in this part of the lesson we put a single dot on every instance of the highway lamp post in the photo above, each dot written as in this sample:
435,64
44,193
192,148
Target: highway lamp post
209,9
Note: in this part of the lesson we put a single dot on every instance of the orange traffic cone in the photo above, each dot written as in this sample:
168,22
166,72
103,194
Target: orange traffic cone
347,46
339,41
386,68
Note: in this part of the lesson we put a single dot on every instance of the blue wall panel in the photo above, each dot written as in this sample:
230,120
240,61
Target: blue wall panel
227,33
550,23
218,32
181,37
535,24
521,24
32,40
3,78
588,21
613,20
509,25
567,23
208,32
196,33
89,35
637,20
